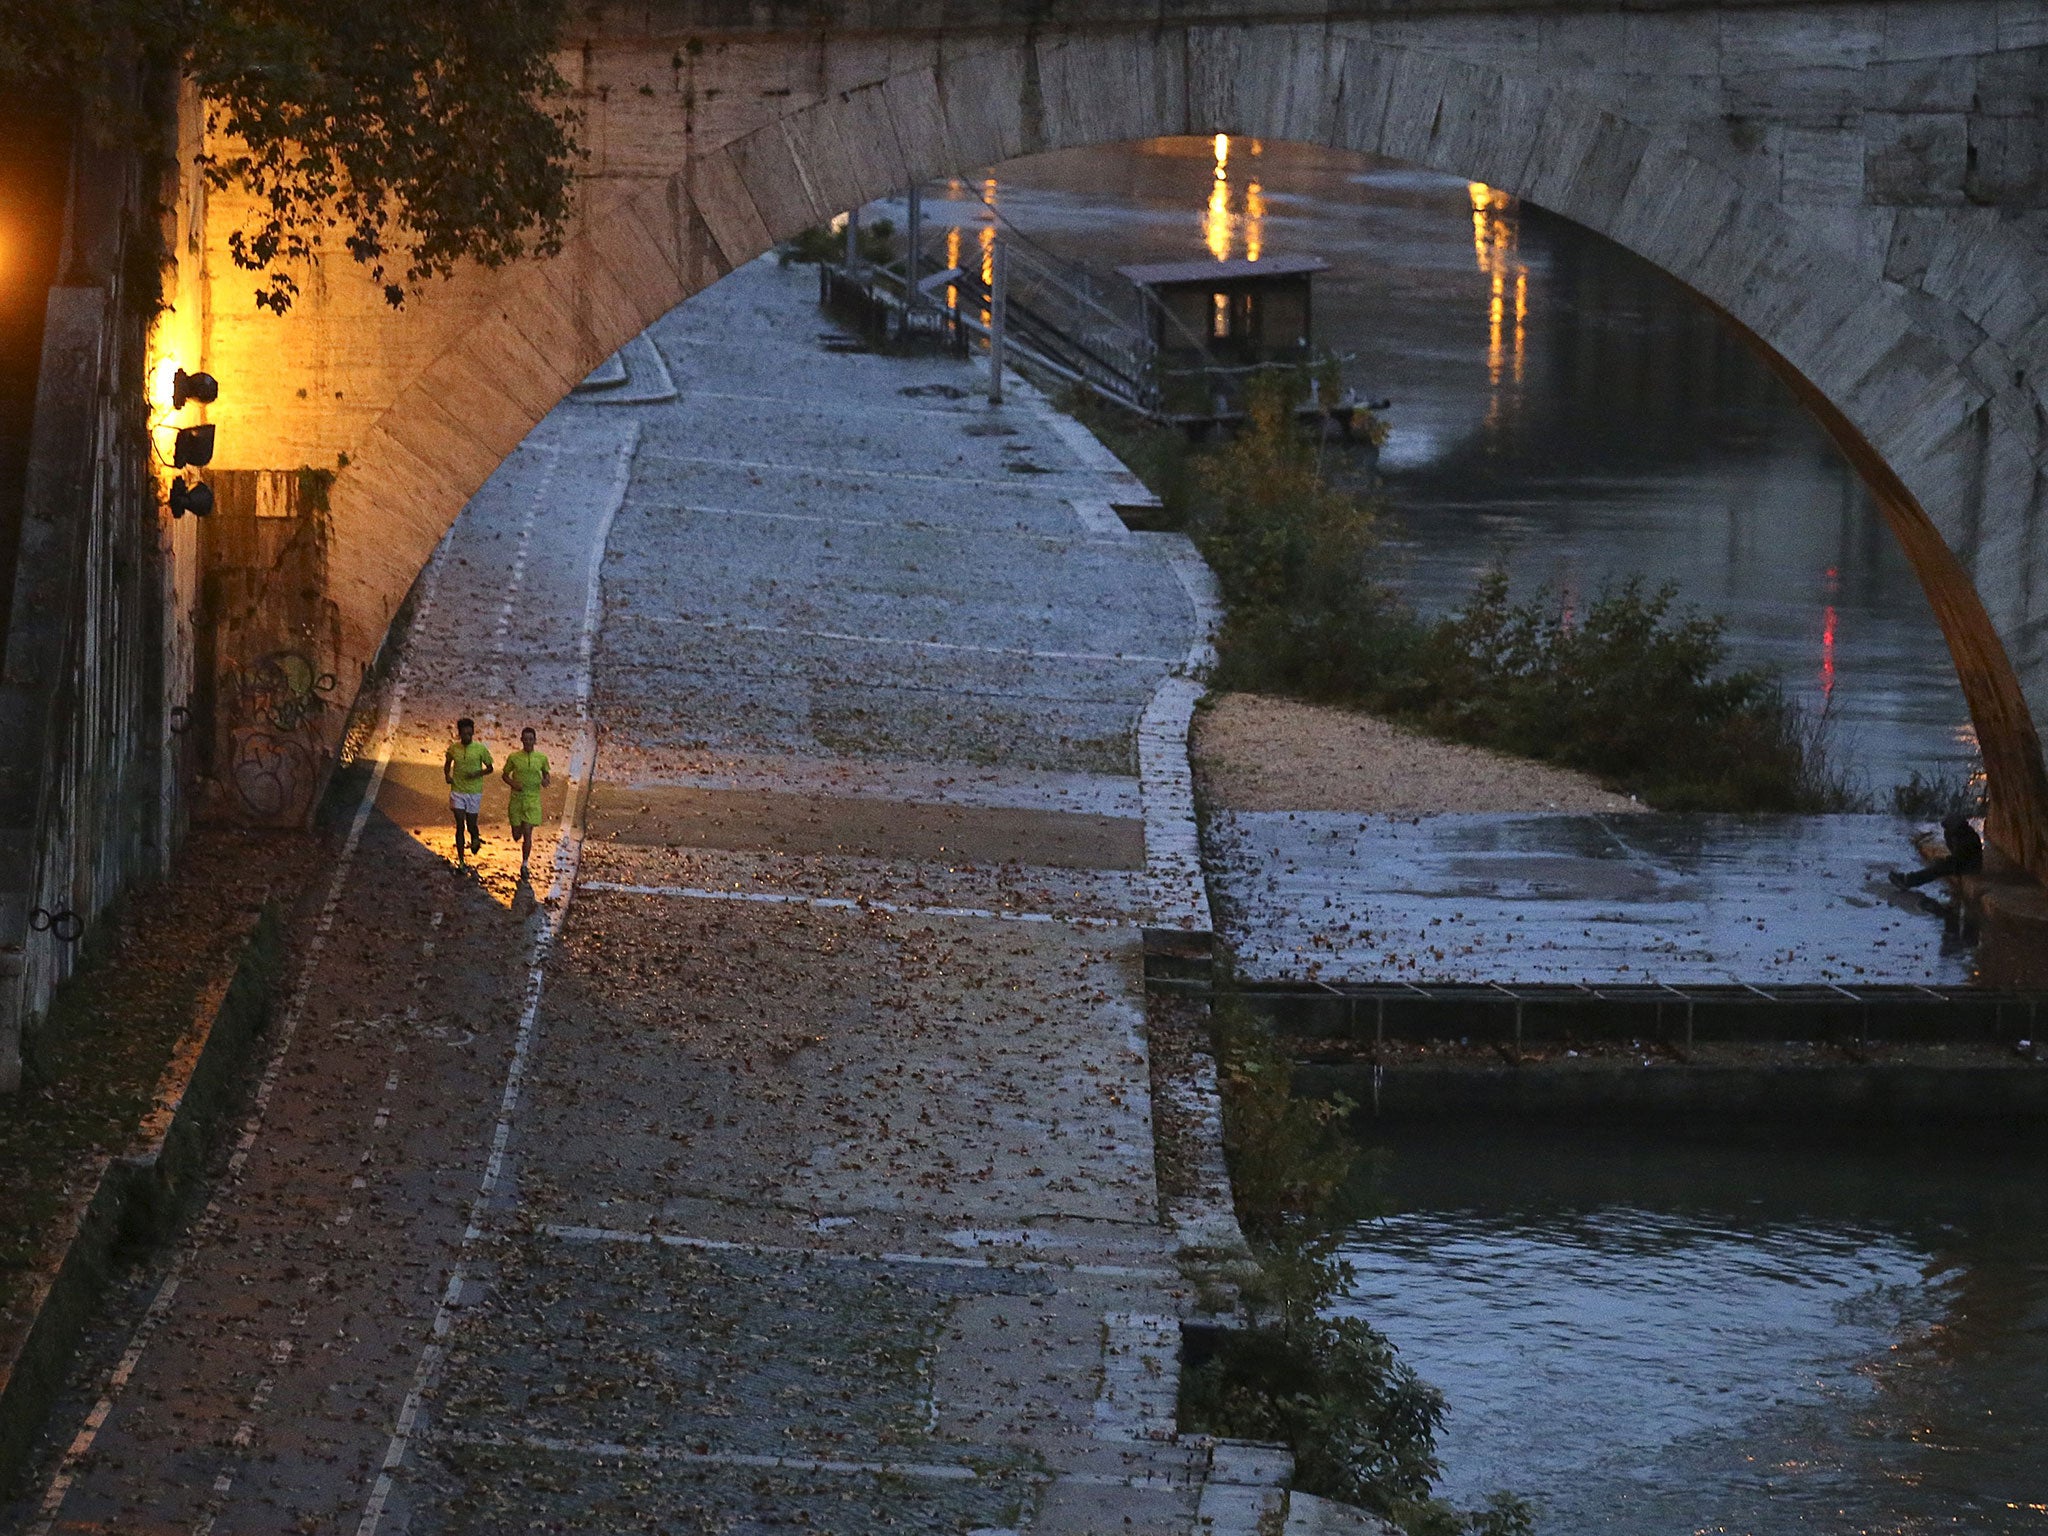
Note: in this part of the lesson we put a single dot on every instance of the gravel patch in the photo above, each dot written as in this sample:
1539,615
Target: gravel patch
1257,753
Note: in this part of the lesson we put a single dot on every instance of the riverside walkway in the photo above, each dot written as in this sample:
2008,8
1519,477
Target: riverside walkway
782,1155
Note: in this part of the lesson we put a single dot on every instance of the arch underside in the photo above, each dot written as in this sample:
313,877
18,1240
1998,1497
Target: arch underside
1949,459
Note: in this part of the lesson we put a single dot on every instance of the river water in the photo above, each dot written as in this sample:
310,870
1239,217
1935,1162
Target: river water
1703,1339
1557,404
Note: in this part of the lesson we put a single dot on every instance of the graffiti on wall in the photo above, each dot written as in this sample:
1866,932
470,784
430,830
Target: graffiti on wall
274,758
263,642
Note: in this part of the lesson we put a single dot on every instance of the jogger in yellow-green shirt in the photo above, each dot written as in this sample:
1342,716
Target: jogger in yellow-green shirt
465,765
526,772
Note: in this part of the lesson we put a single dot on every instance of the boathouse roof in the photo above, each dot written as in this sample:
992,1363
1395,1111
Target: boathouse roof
1169,274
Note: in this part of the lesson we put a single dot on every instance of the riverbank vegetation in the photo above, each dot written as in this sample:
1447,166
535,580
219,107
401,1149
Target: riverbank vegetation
1627,687
1361,1424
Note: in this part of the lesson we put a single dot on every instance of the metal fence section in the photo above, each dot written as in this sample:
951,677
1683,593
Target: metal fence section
871,301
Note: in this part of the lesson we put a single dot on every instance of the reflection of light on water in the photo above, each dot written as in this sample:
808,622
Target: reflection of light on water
1216,220
1219,227
988,243
1521,315
1495,242
1411,445
1830,585
953,262
1495,312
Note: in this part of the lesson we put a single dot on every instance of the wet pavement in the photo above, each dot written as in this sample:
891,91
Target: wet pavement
799,1172
1678,899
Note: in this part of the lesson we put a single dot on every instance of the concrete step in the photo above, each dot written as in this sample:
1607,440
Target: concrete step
1245,1493
1308,1515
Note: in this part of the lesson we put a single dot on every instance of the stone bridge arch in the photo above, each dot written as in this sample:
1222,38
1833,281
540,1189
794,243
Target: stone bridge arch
1913,331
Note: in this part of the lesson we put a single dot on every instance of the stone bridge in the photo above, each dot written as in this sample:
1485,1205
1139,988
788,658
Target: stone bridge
1860,187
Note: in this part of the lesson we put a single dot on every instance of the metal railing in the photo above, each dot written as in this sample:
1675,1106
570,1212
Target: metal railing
1096,331
870,300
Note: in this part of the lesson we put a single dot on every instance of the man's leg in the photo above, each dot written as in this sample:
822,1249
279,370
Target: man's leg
461,857
1940,869
476,837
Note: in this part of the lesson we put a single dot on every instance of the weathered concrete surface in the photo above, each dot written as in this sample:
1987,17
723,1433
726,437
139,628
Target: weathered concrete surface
1579,899
1859,186
779,1184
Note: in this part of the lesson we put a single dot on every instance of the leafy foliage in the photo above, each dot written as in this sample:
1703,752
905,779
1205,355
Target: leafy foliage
1938,793
1626,690
1627,687
1293,554
416,134
821,243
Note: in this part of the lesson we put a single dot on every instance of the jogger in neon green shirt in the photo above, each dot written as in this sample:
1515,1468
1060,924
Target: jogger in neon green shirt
526,771
465,765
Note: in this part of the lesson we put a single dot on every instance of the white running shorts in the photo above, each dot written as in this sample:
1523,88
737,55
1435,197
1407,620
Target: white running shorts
469,805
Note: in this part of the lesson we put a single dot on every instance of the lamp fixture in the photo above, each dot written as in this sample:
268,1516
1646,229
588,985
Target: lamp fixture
196,498
193,445
193,386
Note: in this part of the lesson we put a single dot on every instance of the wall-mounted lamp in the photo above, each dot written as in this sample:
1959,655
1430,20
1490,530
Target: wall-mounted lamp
193,386
196,498
193,445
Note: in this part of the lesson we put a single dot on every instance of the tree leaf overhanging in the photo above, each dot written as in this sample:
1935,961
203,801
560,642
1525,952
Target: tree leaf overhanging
412,134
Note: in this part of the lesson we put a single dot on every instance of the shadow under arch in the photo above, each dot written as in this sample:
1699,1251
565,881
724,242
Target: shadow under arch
640,249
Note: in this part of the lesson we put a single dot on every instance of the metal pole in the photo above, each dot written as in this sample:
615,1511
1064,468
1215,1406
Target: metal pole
915,242
853,240
998,302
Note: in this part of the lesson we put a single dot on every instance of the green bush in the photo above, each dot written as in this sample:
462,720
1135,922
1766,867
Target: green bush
1627,691
1295,559
1940,792
808,247
1362,1425
1630,689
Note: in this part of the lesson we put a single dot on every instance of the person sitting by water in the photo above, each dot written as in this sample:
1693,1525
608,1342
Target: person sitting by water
1965,854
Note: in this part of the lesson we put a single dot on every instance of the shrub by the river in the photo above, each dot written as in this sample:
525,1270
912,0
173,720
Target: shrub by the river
1361,1424
808,247
1627,689
1938,793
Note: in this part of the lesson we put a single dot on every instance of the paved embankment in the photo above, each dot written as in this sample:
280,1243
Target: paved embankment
1579,899
801,1171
